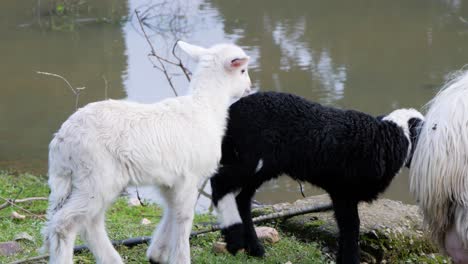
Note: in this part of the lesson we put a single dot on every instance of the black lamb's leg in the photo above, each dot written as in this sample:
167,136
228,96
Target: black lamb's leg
347,218
244,203
224,201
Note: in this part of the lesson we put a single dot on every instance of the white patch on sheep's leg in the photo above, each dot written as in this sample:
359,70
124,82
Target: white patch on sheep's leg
228,214
259,166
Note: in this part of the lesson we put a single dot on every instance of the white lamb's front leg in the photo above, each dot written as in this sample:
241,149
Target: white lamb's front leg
184,210
160,248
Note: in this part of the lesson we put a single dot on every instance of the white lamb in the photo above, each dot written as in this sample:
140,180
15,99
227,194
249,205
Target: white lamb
173,144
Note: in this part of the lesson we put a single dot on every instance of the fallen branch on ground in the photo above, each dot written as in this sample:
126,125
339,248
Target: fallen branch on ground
9,202
21,208
130,242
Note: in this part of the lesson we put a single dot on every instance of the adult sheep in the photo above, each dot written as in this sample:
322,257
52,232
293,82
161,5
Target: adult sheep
173,144
439,172
351,155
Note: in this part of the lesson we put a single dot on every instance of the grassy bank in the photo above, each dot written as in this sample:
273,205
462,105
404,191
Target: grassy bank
124,221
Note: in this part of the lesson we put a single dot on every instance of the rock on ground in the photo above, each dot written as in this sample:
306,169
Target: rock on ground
9,248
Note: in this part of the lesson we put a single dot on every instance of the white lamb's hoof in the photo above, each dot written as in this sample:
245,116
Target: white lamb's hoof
160,254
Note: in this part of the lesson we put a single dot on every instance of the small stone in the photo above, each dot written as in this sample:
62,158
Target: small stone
219,247
24,236
267,234
134,201
289,262
9,248
145,221
16,215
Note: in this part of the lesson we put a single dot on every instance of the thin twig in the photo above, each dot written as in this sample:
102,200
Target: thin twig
186,72
145,239
31,260
106,86
16,201
76,91
301,188
202,191
22,209
138,197
160,59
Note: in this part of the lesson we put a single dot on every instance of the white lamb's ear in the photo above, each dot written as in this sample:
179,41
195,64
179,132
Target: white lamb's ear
236,63
194,51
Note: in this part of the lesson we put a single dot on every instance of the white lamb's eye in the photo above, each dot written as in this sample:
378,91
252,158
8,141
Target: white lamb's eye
243,70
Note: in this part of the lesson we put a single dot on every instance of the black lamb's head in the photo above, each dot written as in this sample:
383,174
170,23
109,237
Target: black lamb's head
410,121
414,125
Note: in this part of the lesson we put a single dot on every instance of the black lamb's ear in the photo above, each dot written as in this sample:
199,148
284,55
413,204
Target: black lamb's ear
414,125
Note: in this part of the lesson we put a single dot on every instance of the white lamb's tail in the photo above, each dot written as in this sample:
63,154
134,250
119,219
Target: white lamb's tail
60,183
439,169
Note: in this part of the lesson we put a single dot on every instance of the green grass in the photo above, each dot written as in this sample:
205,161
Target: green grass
122,222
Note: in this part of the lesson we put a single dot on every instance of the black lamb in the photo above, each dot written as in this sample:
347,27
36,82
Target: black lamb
353,156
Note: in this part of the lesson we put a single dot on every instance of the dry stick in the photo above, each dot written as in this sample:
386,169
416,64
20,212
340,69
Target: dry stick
76,91
153,53
16,201
145,239
301,188
186,72
106,86
21,208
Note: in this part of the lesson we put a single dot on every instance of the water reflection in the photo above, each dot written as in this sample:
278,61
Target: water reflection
374,56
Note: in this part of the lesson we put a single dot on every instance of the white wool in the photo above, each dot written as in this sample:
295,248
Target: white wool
228,214
439,169
401,117
173,144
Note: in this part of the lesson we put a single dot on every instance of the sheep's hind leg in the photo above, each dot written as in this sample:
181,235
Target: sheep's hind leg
94,233
244,204
347,218
62,229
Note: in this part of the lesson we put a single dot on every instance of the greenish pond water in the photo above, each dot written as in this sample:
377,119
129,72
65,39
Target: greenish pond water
370,55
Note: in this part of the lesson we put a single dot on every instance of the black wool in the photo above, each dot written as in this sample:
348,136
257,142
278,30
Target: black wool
353,156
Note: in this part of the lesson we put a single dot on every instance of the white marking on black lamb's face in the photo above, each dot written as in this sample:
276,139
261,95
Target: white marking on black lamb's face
401,117
410,120
259,166
228,214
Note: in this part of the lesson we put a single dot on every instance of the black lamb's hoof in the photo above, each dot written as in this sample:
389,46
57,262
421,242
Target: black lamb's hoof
153,262
256,250
234,237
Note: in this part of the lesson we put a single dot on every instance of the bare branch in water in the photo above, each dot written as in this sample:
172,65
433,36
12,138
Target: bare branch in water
76,91
153,54
106,87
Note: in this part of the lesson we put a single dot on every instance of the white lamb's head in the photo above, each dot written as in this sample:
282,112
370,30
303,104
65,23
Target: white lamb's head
226,62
